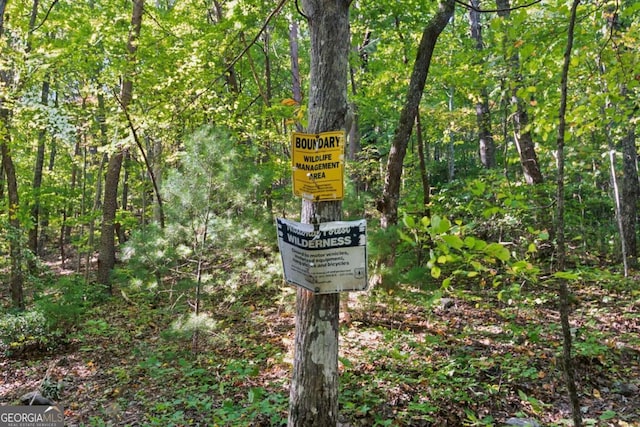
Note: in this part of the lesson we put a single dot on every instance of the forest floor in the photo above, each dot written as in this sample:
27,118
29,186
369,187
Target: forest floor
407,358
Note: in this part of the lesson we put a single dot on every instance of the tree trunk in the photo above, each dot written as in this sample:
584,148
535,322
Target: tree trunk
485,137
352,125
426,187
44,213
567,359
450,137
314,383
296,87
155,147
388,204
630,196
618,207
522,137
16,280
15,253
39,165
487,147
216,15
37,178
124,201
2,180
14,234
107,255
353,129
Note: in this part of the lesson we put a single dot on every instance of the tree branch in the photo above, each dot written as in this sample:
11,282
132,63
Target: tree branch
238,57
476,9
33,30
156,190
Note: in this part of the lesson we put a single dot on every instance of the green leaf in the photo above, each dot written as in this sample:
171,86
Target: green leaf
446,282
453,241
477,266
441,226
479,245
435,223
435,272
404,236
489,212
607,415
409,221
469,242
498,251
345,362
631,10
566,275
523,395
478,187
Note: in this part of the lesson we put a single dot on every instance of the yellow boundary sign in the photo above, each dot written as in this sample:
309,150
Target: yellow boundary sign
317,161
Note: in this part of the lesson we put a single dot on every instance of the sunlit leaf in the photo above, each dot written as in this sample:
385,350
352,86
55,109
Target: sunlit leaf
566,275
435,272
453,241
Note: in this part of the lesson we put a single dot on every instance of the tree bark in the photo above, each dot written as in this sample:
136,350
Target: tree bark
314,384
39,164
563,293
16,280
37,177
156,147
15,254
2,180
353,128
424,176
216,15
522,137
388,204
107,255
296,87
486,144
618,206
629,199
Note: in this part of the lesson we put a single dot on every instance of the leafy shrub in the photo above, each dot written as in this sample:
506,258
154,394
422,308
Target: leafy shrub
446,250
59,307
23,331
496,209
64,302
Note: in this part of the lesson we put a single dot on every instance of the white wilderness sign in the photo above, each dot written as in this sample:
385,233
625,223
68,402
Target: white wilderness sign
326,258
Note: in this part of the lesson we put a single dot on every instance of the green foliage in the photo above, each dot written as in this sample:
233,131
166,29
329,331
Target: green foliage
216,401
65,301
184,327
215,182
149,256
23,332
450,253
209,208
58,310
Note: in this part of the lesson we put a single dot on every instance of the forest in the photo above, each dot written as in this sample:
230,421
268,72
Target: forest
148,164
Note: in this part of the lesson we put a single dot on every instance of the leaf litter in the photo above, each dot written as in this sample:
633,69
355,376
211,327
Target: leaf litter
406,359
